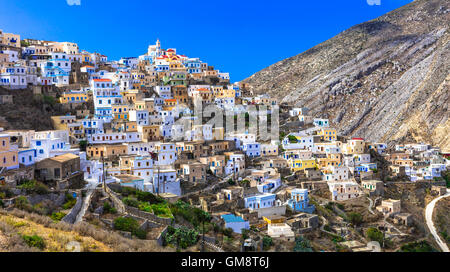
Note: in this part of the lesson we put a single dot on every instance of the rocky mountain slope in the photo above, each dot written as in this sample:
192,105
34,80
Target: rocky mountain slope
384,80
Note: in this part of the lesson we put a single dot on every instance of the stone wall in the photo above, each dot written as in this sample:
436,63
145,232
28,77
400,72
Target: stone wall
160,239
149,216
117,202
72,215
57,198
277,210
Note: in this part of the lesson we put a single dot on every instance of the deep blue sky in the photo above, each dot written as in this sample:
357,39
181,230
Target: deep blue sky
236,36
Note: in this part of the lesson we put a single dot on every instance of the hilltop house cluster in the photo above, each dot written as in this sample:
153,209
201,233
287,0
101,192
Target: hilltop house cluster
128,134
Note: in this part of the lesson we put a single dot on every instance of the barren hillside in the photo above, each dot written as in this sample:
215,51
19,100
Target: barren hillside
384,80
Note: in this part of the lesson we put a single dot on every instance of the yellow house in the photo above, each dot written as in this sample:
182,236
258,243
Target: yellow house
332,159
328,134
10,39
140,105
120,112
226,93
354,146
177,67
301,164
73,97
169,104
218,133
217,90
274,219
9,154
86,57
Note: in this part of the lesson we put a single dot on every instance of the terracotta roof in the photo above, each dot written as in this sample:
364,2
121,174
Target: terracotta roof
65,157
102,80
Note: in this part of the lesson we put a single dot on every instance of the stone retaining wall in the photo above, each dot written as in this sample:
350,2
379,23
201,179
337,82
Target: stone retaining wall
72,215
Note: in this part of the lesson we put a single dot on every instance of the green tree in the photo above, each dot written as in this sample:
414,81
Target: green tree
375,235
182,237
83,145
244,234
231,182
203,217
355,218
228,232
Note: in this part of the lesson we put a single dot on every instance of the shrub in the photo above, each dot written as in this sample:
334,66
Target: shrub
245,183
141,234
244,234
191,214
161,210
1,204
302,245
421,246
32,186
375,235
22,203
130,201
70,202
49,99
267,242
231,182
145,206
83,144
228,232
34,241
355,218
182,237
148,197
57,216
107,208
126,224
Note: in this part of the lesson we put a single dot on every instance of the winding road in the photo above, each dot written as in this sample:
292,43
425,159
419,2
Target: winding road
429,218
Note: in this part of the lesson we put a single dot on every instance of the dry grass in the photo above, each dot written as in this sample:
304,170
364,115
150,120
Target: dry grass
58,234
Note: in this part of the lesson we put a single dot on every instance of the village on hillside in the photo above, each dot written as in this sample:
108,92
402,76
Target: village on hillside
129,154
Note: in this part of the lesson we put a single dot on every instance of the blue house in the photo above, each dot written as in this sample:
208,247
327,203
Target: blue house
235,222
366,167
299,201
260,201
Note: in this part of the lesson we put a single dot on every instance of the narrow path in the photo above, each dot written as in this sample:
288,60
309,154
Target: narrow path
372,203
429,218
87,200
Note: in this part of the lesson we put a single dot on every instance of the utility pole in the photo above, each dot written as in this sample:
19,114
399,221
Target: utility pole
103,173
234,169
157,192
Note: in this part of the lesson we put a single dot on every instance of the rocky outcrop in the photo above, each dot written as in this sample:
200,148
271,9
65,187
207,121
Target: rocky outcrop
384,80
